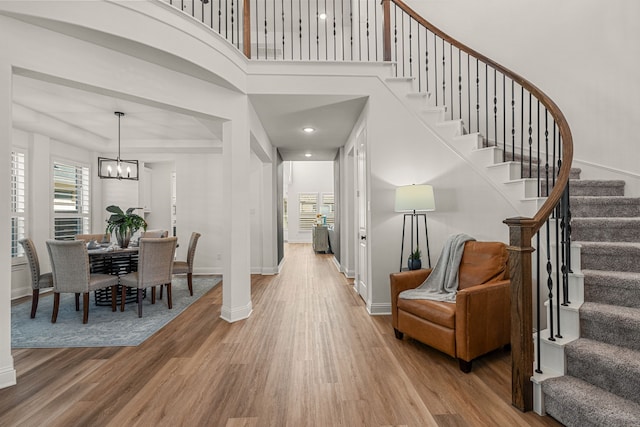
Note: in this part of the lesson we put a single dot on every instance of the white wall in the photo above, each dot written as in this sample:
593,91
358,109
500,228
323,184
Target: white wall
159,216
305,177
582,53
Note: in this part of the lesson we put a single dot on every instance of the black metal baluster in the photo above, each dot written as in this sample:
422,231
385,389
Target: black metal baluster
451,78
549,282
283,29
266,33
444,74
342,37
300,28
538,148
410,48
395,36
317,32
460,85
469,90
419,62
335,53
375,29
530,141
495,111
275,30
522,132
435,68
504,115
486,102
513,122
202,11
478,98
351,27
232,23
220,17
426,58
367,31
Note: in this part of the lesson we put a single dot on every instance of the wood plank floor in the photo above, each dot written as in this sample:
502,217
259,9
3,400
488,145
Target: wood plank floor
309,355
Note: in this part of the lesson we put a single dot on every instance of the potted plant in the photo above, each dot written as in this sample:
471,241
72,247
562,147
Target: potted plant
414,262
124,224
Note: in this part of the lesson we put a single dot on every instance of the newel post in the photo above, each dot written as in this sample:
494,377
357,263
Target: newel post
520,250
246,28
386,30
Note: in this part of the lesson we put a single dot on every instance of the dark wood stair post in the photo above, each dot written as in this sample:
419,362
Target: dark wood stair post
520,250
386,30
246,29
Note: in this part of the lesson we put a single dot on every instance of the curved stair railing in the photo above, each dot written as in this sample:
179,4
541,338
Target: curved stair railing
510,114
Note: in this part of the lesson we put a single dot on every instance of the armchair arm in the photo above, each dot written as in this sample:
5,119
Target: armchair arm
483,319
403,281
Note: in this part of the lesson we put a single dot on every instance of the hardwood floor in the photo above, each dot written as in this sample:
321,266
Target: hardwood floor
309,355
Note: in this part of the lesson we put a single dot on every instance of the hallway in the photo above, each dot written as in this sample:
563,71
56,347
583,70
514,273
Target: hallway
309,355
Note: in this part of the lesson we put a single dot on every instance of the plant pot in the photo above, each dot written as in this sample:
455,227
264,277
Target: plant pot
414,264
123,239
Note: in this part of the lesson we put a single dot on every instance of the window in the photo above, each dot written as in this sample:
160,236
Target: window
327,207
18,203
70,200
308,210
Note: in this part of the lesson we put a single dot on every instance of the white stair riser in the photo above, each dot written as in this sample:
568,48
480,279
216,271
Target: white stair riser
569,321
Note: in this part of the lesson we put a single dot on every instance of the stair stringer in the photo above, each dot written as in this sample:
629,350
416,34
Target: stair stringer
452,134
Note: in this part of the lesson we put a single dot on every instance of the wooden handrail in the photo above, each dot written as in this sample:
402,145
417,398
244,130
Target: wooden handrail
521,230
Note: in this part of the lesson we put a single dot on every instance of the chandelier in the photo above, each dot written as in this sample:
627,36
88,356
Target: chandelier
117,168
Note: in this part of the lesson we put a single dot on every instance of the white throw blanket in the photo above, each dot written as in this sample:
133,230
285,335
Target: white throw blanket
442,283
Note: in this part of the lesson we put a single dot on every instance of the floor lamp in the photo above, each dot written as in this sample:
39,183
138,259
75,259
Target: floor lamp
414,200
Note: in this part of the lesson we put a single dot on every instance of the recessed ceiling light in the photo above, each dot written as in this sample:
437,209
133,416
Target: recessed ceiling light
307,155
308,129
323,16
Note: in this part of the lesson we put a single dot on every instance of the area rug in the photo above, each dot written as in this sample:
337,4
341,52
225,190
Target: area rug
105,328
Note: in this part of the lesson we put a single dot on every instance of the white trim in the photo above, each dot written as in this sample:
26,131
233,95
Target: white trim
235,314
8,376
607,168
270,271
379,309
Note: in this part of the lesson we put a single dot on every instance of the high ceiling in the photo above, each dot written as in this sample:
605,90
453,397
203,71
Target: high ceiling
84,117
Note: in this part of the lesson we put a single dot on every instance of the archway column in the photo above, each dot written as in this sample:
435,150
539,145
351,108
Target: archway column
236,153
7,370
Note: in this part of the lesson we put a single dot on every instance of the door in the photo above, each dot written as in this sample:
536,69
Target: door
361,215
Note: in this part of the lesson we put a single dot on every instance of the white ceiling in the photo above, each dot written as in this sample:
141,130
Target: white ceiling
84,117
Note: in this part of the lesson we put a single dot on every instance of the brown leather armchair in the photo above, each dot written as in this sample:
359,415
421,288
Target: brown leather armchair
479,320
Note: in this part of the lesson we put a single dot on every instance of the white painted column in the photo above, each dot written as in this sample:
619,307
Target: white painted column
7,370
236,153
269,212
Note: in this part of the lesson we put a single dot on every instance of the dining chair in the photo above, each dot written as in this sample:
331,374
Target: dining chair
38,280
100,237
71,274
155,267
186,267
154,234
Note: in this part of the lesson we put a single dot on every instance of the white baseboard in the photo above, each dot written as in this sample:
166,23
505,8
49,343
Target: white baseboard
207,270
234,314
379,309
7,376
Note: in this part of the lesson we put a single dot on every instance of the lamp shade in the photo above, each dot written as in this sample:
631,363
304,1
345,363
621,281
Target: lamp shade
415,198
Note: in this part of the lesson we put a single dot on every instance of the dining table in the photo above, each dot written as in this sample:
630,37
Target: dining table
111,259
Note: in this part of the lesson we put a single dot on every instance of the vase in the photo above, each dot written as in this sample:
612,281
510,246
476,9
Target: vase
123,238
414,264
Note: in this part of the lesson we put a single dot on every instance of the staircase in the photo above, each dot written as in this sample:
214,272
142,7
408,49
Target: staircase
601,385
592,374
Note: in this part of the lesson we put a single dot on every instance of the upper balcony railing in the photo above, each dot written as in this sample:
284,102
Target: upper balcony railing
508,111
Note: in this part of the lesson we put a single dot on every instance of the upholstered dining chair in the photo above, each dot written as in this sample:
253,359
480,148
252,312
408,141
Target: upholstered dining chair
71,274
100,237
155,267
186,267
154,234
38,280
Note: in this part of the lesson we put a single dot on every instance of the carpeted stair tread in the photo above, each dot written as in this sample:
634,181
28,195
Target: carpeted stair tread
612,368
612,287
606,229
596,187
604,206
611,324
576,403
612,256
